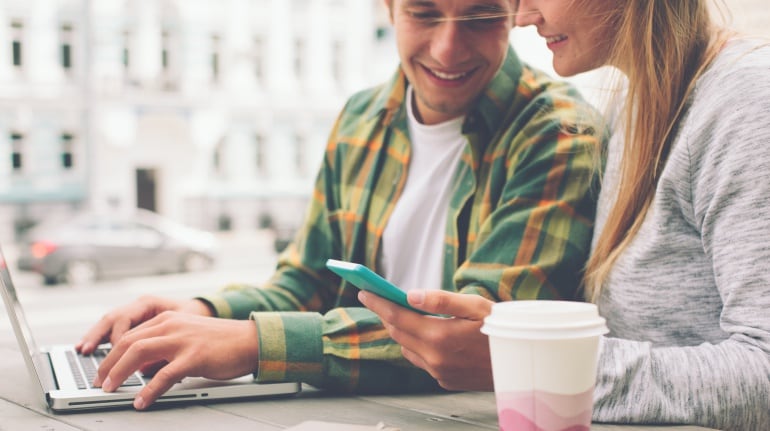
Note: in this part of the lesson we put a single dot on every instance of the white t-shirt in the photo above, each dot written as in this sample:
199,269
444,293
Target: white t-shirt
413,241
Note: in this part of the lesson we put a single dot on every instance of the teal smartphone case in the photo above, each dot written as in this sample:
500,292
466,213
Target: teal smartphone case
366,279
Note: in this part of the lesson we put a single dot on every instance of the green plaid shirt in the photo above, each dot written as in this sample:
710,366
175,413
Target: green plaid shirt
519,227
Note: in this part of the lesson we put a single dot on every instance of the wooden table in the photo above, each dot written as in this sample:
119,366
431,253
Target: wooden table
20,410
57,315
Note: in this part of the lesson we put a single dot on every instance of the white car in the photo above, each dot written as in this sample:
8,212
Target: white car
91,246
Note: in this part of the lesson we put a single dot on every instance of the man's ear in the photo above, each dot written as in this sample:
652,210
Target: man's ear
389,5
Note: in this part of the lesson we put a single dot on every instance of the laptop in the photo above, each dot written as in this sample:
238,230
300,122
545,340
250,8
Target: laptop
62,377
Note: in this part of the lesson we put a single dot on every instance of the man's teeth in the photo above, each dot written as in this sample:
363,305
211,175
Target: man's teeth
449,76
554,39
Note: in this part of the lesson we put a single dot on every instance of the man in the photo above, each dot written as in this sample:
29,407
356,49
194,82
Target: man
468,171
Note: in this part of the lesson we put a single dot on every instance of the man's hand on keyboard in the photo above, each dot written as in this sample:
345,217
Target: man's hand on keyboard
114,324
185,345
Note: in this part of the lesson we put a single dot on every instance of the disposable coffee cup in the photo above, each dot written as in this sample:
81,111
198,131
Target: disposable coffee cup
544,357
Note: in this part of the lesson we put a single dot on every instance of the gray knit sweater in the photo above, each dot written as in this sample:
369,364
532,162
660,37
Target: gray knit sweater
688,303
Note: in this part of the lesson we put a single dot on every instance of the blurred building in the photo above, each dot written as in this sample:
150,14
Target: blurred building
214,113
211,112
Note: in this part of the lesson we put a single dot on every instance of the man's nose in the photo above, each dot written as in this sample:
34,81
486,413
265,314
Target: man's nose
448,46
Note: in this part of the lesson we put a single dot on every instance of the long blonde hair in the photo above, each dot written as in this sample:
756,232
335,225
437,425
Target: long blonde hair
662,47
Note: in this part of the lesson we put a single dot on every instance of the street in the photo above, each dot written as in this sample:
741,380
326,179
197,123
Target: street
244,257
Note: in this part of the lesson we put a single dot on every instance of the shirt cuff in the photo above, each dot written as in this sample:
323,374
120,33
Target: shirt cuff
290,347
218,305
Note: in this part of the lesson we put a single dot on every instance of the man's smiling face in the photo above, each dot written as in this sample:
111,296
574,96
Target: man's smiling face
450,50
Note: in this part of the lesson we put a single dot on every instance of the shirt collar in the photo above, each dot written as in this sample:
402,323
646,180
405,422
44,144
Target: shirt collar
490,108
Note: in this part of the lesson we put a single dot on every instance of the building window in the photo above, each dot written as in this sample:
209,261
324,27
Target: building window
381,33
17,30
17,149
338,61
215,58
67,140
259,58
66,47
164,53
259,153
169,60
126,57
299,153
299,60
218,157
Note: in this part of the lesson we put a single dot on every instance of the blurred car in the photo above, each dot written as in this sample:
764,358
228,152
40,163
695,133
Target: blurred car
93,246
282,237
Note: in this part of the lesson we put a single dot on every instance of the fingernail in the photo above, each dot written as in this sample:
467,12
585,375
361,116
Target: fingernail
85,347
416,297
107,385
139,403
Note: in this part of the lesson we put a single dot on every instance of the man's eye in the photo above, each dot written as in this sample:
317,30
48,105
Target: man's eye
424,17
484,22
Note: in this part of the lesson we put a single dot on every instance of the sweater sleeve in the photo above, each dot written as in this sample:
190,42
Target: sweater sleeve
724,383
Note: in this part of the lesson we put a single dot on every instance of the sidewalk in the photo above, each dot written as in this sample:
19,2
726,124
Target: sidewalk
238,249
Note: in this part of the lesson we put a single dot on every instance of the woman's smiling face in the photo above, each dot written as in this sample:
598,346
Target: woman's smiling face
580,33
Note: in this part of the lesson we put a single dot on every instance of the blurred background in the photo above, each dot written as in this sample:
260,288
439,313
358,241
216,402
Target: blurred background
186,131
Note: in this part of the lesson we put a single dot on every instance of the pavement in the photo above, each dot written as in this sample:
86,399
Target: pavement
245,257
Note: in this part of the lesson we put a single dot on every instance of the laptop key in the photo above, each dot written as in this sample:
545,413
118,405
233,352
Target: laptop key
76,374
90,365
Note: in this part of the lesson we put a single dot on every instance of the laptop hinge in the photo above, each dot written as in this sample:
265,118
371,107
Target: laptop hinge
53,380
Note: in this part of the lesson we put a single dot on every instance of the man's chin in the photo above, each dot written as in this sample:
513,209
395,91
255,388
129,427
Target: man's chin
451,109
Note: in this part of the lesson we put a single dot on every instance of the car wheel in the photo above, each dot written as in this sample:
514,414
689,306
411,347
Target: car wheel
80,272
193,262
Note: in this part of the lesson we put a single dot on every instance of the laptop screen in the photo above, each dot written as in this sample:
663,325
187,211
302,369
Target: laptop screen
32,356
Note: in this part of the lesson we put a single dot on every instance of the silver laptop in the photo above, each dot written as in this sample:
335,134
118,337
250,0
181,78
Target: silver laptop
62,377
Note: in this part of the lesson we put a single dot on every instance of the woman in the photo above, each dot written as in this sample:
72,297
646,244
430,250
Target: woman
681,247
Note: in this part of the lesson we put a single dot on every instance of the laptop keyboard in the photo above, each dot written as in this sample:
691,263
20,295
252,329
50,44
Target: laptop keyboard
89,364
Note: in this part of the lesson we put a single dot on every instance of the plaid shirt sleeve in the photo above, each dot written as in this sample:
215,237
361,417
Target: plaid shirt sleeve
528,232
311,326
520,227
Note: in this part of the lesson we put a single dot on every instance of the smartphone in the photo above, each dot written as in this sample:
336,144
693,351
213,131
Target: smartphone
364,278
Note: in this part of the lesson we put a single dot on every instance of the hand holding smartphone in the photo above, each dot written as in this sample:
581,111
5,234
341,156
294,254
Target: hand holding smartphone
364,278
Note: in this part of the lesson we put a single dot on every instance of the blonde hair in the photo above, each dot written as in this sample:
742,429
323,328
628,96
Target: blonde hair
662,47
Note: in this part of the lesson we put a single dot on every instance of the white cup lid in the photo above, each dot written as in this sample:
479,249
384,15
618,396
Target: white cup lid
538,319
